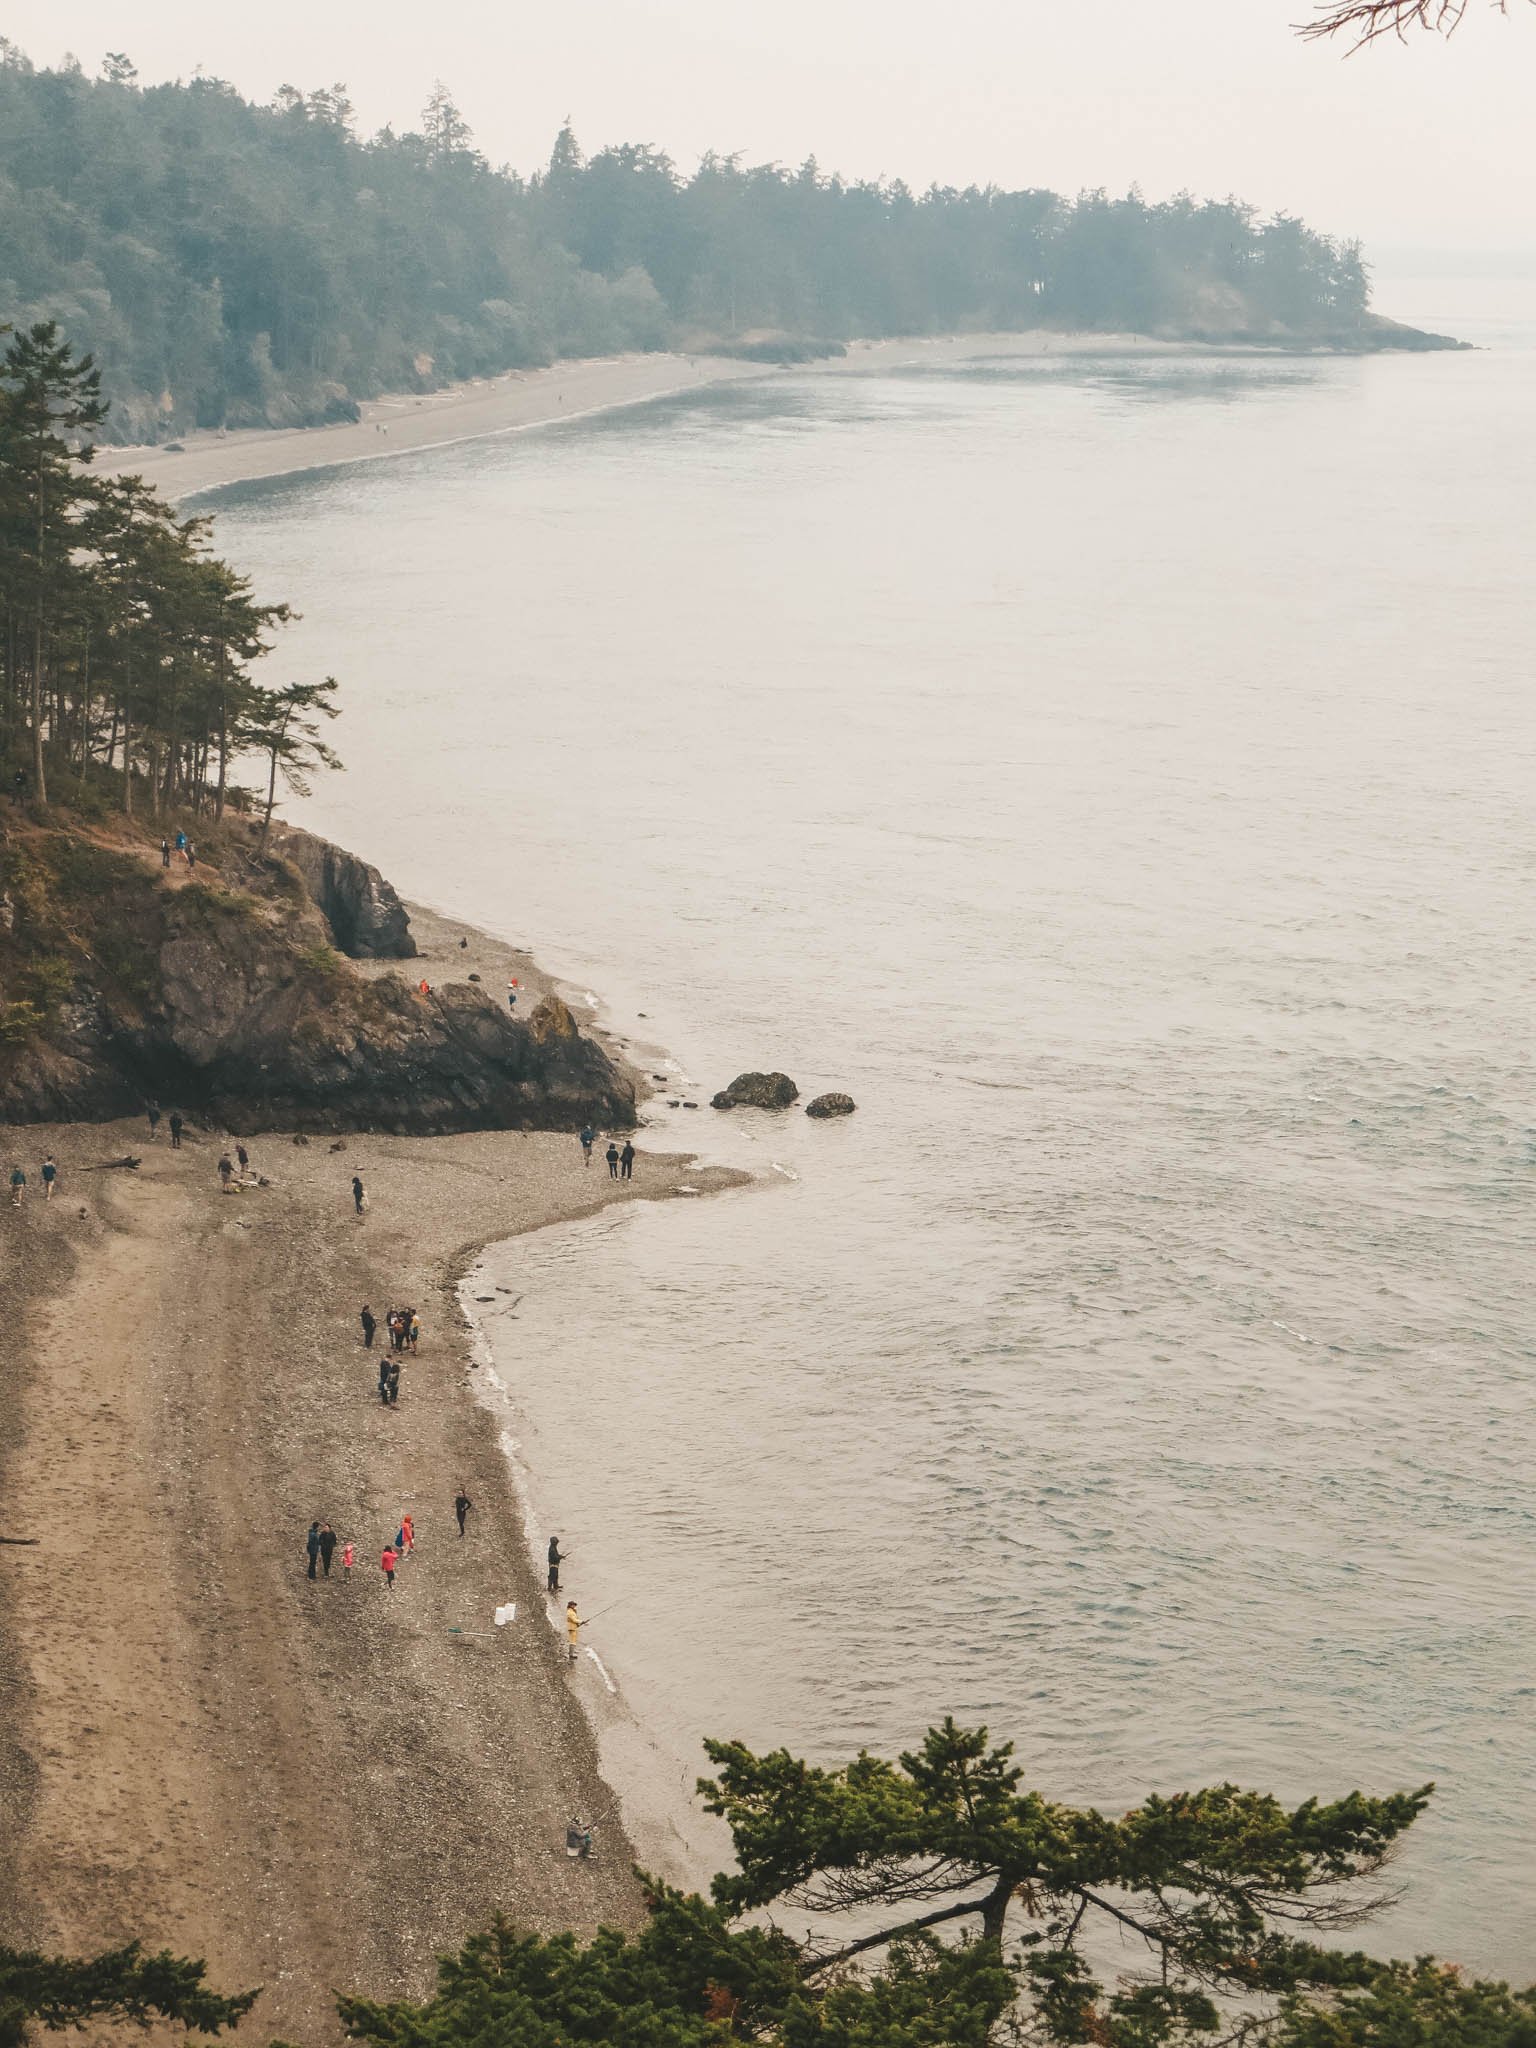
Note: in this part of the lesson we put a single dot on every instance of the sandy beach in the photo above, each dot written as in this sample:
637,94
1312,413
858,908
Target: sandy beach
309,1784
523,399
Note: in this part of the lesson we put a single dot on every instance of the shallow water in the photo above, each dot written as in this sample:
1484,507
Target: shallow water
1118,776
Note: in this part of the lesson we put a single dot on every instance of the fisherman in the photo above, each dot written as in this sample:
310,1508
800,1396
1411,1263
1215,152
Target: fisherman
573,1627
556,1559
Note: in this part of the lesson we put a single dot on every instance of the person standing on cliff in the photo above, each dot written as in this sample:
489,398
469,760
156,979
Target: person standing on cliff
588,1139
612,1156
461,1506
370,1324
627,1161
556,1559
312,1545
358,1196
176,1128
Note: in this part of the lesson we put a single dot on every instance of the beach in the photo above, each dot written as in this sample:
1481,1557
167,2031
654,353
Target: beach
519,400
312,1785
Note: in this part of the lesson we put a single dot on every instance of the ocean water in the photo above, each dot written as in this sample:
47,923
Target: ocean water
1118,776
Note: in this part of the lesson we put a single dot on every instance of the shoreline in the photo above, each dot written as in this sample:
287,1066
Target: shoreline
193,1391
519,401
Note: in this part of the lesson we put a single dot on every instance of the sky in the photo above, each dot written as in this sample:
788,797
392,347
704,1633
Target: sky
1420,146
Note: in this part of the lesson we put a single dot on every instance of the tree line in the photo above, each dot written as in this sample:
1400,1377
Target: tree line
238,264
1222,1905
127,647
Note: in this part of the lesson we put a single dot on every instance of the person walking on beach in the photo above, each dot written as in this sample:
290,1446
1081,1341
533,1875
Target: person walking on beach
369,1324
407,1536
627,1161
556,1559
461,1506
387,1563
612,1156
176,1127
573,1627
358,1196
50,1175
18,1186
152,1111
588,1138
226,1172
312,1545
347,1555
327,1546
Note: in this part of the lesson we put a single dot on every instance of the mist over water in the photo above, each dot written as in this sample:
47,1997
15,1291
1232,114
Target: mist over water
1117,774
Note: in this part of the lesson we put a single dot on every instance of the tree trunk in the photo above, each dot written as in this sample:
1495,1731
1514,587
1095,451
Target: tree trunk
271,799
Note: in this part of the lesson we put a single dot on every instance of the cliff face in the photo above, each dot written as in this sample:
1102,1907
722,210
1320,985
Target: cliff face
124,984
366,917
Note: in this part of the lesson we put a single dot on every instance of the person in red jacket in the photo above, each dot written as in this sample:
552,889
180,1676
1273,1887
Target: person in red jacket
388,1562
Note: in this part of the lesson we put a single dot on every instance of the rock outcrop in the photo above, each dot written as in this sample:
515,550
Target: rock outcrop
831,1105
226,1005
366,918
757,1091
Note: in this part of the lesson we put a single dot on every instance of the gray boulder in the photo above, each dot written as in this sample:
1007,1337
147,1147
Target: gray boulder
366,917
831,1105
757,1091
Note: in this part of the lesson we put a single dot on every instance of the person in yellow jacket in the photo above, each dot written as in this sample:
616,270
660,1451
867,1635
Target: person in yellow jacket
573,1627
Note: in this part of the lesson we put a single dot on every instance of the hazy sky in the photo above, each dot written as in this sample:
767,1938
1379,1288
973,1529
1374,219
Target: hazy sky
1429,145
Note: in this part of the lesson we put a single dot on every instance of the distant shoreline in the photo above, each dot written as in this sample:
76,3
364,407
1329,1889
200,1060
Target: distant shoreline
487,407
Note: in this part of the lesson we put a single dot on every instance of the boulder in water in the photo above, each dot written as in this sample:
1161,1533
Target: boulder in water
757,1091
831,1105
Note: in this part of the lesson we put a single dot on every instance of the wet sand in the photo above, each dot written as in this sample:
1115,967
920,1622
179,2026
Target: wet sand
309,1784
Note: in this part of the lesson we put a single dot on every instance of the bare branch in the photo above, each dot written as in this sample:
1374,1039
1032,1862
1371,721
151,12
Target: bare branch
1368,20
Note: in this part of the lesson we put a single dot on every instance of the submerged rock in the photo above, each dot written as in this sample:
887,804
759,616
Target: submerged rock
831,1105
757,1091
366,918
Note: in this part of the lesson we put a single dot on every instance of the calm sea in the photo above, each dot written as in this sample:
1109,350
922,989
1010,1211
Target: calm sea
1117,775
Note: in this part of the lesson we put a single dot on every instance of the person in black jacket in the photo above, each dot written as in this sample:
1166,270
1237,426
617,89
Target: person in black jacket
369,1324
312,1545
612,1156
556,1559
327,1546
627,1161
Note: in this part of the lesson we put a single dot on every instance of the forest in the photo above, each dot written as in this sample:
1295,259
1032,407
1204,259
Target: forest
126,645
233,265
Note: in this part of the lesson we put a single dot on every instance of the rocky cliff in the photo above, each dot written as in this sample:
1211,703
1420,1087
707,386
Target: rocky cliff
367,920
221,994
